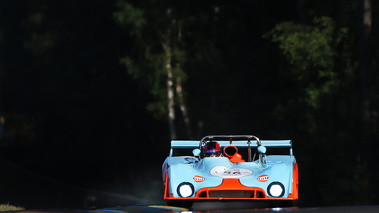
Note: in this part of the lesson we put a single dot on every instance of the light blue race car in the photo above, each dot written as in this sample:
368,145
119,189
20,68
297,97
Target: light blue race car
230,167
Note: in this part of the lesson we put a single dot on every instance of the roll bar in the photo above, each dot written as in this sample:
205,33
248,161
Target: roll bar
230,138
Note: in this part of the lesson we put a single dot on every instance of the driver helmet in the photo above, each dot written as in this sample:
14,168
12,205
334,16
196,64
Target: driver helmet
212,149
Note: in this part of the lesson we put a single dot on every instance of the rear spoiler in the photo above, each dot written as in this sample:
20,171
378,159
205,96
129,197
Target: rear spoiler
182,144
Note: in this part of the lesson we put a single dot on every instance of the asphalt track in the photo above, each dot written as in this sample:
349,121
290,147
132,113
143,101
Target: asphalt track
170,209
59,192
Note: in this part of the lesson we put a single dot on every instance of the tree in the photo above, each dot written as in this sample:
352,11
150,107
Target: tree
156,57
324,80
370,136
311,50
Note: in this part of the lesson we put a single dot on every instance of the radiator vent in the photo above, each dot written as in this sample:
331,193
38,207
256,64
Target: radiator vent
231,194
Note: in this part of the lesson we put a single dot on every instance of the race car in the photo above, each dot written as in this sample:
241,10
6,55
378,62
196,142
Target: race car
229,168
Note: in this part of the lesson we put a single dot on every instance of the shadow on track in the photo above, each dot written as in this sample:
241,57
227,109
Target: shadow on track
168,209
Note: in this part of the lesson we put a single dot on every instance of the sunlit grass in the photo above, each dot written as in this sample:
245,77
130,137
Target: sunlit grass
7,207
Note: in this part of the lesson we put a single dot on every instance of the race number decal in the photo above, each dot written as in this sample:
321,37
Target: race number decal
222,171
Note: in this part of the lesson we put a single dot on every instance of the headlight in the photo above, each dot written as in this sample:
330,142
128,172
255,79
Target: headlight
275,189
185,189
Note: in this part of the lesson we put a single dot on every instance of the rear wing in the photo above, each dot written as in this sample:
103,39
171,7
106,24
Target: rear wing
188,144
183,144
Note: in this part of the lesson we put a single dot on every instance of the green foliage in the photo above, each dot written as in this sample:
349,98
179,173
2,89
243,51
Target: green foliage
306,46
7,207
323,70
131,18
147,61
144,63
311,50
149,71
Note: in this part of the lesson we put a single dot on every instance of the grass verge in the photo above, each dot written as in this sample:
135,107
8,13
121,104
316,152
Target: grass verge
7,207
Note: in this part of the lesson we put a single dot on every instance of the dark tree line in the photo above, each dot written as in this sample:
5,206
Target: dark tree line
88,86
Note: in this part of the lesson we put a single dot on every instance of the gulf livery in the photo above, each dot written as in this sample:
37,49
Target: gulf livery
230,167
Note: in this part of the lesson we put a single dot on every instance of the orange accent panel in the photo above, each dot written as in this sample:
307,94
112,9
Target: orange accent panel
295,184
166,188
237,158
295,187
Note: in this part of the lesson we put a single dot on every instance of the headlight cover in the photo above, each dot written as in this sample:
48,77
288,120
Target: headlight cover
275,189
185,189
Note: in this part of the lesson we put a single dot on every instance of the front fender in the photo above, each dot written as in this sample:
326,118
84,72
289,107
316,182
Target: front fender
281,172
195,173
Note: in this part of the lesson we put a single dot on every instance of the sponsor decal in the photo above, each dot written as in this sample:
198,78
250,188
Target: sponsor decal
198,178
224,172
263,178
190,160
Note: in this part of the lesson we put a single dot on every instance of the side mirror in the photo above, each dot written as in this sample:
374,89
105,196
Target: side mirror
196,152
262,149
